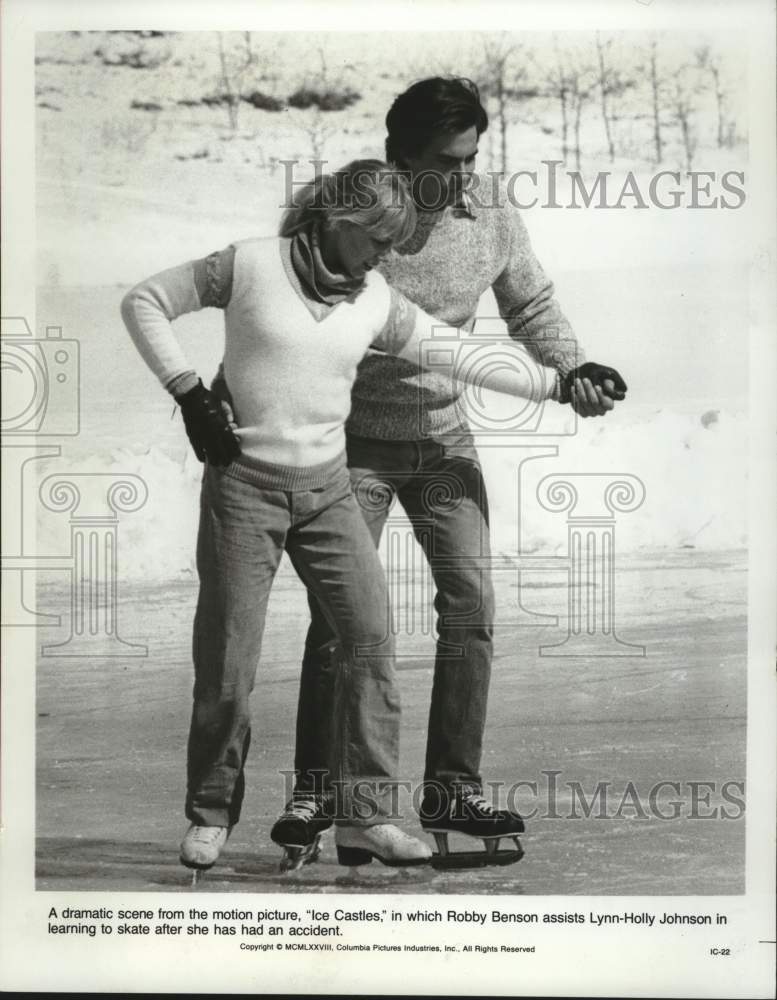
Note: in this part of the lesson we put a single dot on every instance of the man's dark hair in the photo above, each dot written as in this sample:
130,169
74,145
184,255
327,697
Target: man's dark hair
439,105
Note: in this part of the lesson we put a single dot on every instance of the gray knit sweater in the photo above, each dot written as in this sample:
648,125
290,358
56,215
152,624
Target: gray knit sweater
453,257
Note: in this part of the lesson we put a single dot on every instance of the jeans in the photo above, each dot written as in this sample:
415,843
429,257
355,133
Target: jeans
244,530
439,484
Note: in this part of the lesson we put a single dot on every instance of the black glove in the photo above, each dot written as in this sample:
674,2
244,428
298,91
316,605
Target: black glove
597,375
207,426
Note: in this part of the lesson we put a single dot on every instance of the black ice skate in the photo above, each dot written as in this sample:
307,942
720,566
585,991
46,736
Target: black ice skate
465,811
299,827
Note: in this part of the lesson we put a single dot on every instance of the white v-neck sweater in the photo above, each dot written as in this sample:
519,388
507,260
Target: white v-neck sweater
289,362
289,367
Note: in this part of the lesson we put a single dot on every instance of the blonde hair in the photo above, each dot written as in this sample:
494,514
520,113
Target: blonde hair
368,193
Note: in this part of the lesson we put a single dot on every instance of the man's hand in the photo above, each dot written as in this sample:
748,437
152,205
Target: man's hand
592,389
208,426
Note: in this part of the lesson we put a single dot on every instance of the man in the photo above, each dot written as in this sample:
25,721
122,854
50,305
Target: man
407,432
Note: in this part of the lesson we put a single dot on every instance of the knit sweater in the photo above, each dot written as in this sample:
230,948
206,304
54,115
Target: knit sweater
453,257
289,361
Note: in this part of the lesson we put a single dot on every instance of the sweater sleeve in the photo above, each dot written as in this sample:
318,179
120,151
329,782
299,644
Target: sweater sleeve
525,297
149,308
415,336
399,326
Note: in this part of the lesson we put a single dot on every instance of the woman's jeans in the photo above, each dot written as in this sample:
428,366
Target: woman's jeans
244,531
440,486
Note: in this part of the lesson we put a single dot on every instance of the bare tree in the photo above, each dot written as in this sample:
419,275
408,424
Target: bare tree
497,57
235,62
559,87
613,83
582,87
318,130
684,106
270,57
572,80
310,118
604,91
656,94
710,64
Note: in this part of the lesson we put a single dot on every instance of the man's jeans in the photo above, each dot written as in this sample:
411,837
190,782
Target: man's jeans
440,486
244,530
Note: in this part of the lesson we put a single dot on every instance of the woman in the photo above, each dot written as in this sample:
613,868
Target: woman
301,311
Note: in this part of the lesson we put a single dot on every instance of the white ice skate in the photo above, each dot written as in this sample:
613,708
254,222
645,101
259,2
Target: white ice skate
202,845
358,845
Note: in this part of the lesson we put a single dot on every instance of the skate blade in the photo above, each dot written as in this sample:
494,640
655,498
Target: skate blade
196,869
297,857
475,859
409,863
388,862
491,855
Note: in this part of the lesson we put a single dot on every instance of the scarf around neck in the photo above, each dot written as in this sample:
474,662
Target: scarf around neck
315,277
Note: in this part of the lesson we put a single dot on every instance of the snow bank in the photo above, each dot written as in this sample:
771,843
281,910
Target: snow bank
693,468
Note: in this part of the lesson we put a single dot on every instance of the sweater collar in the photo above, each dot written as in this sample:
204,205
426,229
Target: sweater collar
464,205
314,276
